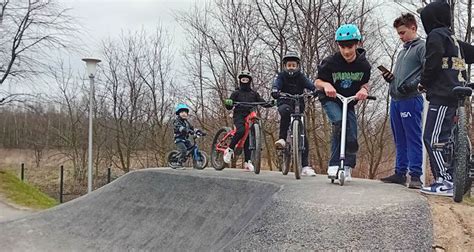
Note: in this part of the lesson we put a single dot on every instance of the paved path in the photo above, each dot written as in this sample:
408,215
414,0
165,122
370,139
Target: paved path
8,212
181,210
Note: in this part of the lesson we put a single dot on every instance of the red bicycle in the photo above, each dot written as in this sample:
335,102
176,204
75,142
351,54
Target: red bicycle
224,136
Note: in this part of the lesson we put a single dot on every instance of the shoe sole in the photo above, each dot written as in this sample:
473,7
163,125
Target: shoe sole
436,194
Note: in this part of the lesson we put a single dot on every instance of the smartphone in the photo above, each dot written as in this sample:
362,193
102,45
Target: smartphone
383,69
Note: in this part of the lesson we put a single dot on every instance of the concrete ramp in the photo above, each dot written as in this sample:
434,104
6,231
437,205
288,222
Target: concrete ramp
163,209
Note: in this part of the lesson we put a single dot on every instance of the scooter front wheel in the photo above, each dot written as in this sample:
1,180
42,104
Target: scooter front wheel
341,177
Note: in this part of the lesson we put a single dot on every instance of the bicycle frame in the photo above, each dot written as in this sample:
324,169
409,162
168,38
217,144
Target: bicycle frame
296,115
193,149
249,120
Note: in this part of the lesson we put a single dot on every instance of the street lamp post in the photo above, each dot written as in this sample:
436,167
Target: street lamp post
91,64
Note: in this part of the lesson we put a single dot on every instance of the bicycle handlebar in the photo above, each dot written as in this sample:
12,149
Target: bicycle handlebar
298,96
197,133
422,89
251,103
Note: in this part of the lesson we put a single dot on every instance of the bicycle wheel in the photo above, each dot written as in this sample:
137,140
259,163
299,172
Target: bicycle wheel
256,143
297,153
461,158
286,159
217,159
172,158
200,160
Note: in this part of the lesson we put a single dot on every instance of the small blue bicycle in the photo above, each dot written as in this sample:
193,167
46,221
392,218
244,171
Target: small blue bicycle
199,157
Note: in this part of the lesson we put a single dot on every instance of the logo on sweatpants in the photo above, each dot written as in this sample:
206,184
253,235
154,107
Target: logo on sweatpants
405,114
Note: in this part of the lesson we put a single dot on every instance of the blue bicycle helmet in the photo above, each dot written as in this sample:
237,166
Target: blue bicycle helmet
348,32
180,107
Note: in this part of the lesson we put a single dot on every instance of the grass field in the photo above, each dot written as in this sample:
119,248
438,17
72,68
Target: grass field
23,194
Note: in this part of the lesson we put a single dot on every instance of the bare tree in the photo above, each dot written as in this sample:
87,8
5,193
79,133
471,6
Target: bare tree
71,132
29,31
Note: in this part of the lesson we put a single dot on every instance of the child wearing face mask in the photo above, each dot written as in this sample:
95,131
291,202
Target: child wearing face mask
243,94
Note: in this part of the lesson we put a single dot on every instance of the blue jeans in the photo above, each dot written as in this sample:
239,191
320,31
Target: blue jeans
405,119
334,113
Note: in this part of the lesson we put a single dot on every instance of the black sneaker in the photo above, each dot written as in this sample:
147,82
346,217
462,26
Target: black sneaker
396,179
415,183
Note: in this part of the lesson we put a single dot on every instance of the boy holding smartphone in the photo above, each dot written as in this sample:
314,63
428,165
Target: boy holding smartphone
406,106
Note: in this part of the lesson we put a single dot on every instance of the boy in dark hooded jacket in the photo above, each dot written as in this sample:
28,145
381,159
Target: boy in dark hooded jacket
292,81
243,94
444,69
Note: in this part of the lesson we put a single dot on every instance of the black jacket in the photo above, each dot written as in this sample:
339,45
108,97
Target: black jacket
292,84
444,66
182,127
241,95
346,78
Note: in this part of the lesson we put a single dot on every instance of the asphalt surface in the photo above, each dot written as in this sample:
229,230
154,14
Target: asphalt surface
182,210
8,212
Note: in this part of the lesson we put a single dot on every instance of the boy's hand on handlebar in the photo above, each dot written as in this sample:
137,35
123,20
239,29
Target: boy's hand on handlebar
421,88
228,102
362,94
275,94
330,91
270,104
199,132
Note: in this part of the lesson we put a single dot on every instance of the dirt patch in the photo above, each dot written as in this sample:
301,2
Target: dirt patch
453,224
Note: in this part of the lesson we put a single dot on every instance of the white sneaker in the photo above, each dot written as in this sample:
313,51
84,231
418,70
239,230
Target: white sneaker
332,171
248,166
228,154
280,144
347,173
308,171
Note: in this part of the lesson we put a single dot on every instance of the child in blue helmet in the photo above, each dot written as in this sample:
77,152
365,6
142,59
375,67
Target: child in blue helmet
347,73
182,129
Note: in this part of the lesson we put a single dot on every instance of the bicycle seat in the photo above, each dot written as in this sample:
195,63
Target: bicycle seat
462,91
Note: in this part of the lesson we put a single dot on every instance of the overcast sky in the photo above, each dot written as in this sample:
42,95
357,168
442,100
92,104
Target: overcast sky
102,19
107,18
